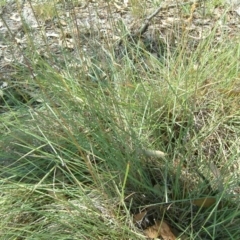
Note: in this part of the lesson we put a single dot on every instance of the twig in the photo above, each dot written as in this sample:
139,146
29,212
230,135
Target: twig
146,23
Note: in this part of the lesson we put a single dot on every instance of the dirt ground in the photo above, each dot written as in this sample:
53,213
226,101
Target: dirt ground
93,24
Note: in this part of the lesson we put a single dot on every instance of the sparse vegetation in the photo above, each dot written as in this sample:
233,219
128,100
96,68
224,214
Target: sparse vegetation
81,105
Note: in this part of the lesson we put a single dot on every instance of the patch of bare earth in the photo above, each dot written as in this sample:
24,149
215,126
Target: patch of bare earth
93,25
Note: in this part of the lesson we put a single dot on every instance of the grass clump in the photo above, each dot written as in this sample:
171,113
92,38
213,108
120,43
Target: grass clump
80,129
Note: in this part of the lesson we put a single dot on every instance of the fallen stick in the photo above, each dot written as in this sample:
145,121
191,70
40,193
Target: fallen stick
146,23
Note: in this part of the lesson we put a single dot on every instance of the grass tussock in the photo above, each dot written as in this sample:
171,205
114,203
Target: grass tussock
76,124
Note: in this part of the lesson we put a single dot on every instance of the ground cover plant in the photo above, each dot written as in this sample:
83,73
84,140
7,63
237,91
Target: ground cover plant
119,120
